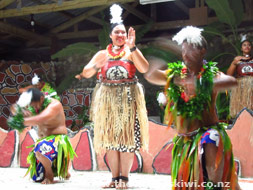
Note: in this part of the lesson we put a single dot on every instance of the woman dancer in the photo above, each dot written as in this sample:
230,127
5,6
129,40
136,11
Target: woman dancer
242,68
118,105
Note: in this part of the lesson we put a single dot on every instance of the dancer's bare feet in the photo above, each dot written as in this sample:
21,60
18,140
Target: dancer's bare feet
111,185
47,181
122,183
68,176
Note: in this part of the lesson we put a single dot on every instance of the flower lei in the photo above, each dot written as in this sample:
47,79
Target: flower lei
47,90
46,102
178,102
112,55
17,120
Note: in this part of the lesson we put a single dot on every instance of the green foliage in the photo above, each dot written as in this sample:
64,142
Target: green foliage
222,105
193,107
46,102
80,48
156,52
237,8
223,11
230,13
17,121
143,30
84,115
103,36
67,81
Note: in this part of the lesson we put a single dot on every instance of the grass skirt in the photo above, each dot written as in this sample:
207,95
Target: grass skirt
113,111
187,159
241,96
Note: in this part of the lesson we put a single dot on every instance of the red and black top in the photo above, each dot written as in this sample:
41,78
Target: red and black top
244,69
115,70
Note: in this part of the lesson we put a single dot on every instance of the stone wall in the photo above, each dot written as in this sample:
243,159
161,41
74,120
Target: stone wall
14,75
73,101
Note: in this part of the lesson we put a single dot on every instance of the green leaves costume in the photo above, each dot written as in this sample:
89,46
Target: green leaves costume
186,154
65,152
59,165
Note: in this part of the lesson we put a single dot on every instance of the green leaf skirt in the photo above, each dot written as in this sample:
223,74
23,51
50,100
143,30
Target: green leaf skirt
187,159
65,153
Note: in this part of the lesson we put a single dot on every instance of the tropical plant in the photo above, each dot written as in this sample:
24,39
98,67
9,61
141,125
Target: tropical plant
80,48
165,55
230,15
222,104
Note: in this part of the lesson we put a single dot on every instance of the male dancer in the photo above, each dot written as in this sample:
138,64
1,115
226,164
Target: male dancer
202,151
53,151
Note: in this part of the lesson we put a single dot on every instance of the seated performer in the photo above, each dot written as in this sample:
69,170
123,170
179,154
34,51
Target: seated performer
202,151
52,153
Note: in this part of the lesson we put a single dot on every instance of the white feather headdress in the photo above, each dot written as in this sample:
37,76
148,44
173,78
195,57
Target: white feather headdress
190,34
116,12
243,37
35,79
25,99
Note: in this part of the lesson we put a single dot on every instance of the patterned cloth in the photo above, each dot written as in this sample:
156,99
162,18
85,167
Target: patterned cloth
210,136
58,150
137,141
47,149
244,69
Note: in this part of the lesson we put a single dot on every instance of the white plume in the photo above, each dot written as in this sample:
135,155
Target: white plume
190,34
243,37
116,12
35,79
50,95
162,99
25,99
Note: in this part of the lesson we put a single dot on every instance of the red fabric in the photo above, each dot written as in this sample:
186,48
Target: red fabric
244,69
124,63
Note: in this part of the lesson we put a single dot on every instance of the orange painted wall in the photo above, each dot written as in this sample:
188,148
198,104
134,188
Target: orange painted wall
159,135
241,136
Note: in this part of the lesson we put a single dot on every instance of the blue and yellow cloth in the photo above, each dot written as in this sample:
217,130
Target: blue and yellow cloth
56,148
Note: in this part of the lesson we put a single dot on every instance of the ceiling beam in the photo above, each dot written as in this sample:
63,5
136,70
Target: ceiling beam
79,34
126,13
43,25
156,26
182,6
5,3
71,22
6,36
97,20
19,32
135,12
63,13
153,14
54,7
77,19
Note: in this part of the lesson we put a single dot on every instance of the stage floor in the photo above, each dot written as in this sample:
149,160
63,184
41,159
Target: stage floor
11,178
